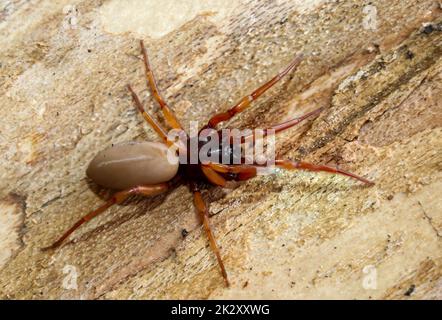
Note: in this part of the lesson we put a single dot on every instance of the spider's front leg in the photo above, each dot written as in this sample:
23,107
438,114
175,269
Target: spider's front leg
244,103
245,171
275,128
301,165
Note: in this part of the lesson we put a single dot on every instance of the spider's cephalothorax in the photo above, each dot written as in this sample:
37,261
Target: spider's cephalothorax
210,148
148,168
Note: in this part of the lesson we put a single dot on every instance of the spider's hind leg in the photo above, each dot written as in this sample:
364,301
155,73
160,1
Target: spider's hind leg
153,123
168,113
119,197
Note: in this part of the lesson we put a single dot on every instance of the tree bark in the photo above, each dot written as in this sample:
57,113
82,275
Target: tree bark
375,68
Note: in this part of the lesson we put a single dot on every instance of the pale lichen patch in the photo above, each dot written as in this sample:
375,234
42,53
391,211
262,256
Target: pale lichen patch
11,221
158,18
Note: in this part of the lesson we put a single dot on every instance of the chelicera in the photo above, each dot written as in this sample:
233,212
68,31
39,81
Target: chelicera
144,168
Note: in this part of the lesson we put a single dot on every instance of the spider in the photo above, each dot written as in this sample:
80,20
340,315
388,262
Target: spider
143,168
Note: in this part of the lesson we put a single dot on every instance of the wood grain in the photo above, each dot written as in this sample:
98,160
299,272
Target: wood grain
291,235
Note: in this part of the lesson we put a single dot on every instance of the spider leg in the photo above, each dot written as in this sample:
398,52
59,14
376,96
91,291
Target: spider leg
245,172
241,171
203,212
168,113
280,127
301,165
119,197
158,129
213,176
245,102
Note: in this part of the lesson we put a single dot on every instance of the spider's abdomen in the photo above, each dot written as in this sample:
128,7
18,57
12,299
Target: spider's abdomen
131,164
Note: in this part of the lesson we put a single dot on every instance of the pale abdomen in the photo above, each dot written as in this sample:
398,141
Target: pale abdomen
127,165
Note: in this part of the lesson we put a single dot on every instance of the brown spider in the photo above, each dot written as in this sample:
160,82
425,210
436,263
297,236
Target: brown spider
145,168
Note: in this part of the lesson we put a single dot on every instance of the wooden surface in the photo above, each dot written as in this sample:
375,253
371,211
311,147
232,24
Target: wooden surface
375,66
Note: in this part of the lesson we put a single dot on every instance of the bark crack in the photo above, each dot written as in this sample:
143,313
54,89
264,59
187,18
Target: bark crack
430,220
